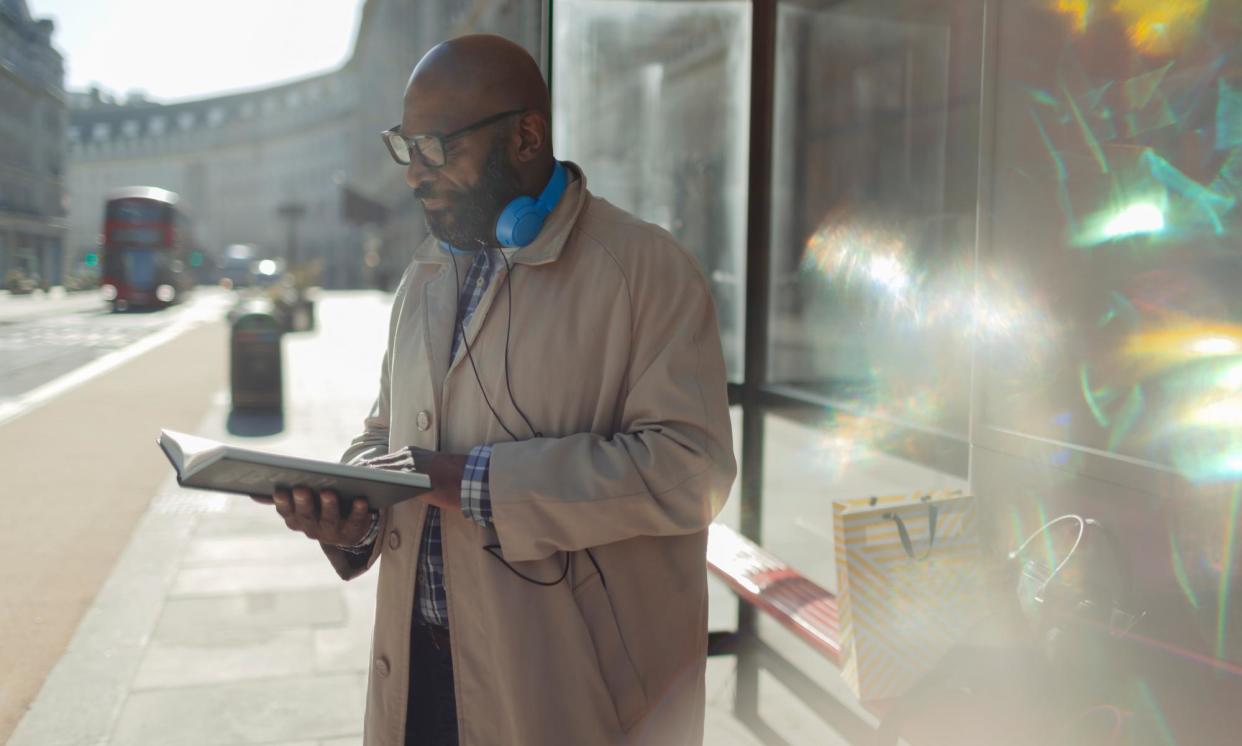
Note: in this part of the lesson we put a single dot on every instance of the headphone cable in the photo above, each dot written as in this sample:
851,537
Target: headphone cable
461,327
493,549
508,328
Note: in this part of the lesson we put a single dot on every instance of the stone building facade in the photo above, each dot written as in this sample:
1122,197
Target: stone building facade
32,123
237,159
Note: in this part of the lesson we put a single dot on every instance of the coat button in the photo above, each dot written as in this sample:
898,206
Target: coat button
424,420
381,666
394,540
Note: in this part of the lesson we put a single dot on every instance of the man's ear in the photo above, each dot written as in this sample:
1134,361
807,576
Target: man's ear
532,131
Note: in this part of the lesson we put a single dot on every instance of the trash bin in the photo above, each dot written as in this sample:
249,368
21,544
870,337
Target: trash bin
254,350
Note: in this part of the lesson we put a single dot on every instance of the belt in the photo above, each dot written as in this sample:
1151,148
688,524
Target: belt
438,635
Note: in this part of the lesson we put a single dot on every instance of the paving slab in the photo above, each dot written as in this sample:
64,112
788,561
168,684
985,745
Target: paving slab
251,578
347,646
235,524
226,655
248,712
278,548
190,618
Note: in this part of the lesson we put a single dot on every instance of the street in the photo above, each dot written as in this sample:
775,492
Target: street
36,351
61,341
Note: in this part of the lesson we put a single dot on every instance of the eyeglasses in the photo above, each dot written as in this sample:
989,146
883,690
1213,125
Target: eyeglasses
430,148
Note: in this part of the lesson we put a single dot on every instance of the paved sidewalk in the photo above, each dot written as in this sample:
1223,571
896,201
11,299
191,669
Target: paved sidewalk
220,627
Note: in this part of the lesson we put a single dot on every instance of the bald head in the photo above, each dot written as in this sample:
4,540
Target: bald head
488,71
470,78
485,99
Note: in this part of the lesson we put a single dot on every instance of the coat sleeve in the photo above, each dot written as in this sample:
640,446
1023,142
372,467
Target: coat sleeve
668,467
372,442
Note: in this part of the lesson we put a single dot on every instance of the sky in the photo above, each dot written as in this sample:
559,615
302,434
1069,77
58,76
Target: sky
174,50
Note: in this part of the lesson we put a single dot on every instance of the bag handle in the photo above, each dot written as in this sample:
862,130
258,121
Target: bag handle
932,511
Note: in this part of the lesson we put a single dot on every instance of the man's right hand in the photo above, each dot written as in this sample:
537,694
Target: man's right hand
319,516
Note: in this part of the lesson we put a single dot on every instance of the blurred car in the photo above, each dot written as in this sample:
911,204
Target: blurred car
237,266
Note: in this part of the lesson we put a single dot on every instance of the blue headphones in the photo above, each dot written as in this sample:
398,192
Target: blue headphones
521,220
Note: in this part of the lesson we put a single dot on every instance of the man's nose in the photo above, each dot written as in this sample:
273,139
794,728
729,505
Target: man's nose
417,173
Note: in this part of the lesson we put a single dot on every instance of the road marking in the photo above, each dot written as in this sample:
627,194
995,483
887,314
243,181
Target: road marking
190,318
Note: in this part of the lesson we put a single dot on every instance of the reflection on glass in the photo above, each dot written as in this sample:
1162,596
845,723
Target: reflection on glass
811,458
1116,183
1119,148
874,193
652,100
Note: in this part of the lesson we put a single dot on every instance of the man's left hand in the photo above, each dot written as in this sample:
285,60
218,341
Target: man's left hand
444,469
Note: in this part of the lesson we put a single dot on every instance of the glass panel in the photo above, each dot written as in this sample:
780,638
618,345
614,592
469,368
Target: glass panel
651,99
1118,173
811,459
873,223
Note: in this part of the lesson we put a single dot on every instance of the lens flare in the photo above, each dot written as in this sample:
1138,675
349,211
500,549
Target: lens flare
853,252
1226,575
1215,346
1134,220
1096,399
1211,204
1153,707
1219,412
1077,11
1182,340
1179,572
1160,27
1142,218
1127,418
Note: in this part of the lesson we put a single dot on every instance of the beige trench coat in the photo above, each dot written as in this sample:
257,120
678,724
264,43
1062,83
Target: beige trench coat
615,357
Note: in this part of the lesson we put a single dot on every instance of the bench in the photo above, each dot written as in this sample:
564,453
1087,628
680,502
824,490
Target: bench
808,610
762,580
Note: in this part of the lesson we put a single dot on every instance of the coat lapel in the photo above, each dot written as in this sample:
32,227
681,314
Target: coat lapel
438,305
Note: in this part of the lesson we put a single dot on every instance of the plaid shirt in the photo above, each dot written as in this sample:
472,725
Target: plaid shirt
476,501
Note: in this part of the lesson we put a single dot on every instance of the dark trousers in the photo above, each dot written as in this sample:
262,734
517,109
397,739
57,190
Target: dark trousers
431,710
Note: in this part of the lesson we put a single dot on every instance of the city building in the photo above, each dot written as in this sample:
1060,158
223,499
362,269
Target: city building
32,116
293,168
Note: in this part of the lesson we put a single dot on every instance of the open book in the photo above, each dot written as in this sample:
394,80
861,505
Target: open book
209,465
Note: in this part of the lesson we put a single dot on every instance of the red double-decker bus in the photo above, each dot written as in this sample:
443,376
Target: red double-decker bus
146,248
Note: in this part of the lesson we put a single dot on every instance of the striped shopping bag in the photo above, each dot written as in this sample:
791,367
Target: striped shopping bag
909,584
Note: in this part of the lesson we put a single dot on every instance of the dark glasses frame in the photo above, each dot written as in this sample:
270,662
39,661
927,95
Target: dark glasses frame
431,147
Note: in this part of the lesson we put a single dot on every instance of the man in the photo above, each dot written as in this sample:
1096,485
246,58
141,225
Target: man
566,394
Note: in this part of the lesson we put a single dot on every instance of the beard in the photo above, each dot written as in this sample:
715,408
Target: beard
469,222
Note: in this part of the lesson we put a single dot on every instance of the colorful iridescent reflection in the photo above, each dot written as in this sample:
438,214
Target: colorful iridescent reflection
1146,171
925,311
1153,27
